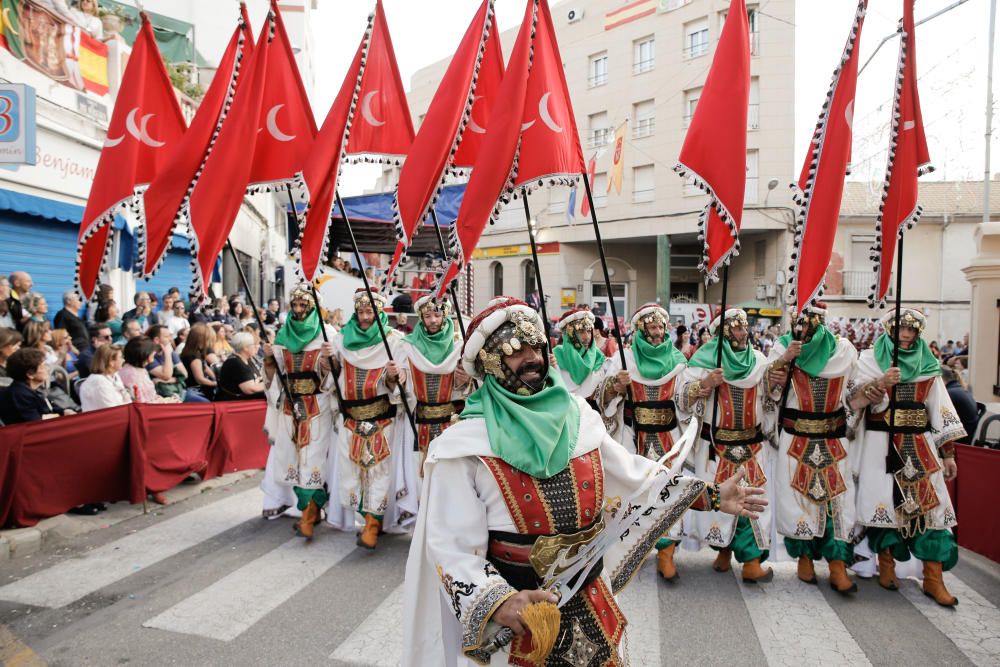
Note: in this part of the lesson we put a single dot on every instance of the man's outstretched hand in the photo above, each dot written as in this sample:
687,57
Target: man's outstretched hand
748,501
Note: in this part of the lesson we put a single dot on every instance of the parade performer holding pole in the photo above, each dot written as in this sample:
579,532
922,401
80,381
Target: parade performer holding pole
813,486
520,492
732,444
580,363
368,381
651,421
902,497
299,421
430,357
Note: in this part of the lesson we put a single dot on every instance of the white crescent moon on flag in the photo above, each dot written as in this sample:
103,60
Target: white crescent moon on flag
272,124
473,125
849,114
366,109
111,143
525,126
543,113
144,136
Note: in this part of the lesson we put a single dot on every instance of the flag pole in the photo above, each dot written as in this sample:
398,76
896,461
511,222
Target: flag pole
297,411
895,340
718,357
534,257
451,288
326,339
378,320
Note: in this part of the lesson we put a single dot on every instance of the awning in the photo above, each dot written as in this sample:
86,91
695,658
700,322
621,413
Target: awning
759,309
371,220
26,204
174,37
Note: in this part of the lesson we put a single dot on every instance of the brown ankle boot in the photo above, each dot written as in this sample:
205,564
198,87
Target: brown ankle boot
369,534
308,521
806,571
665,563
753,573
722,561
839,580
934,584
887,570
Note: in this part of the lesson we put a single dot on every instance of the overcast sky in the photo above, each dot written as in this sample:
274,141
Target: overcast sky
951,59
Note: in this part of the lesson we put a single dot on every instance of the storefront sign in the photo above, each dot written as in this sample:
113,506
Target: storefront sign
515,250
17,123
567,297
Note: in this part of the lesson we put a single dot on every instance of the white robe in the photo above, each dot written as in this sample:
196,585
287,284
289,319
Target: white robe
461,503
715,528
797,516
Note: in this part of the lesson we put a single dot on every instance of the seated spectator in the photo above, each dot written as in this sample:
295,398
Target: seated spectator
107,314
6,321
103,293
24,400
39,308
948,349
69,319
100,334
198,359
238,380
143,312
403,303
130,330
401,324
965,404
10,342
139,353
221,346
337,319
196,311
167,371
103,388
238,312
20,288
935,350
38,335
220,311
166,307
273,310
69,356
177,321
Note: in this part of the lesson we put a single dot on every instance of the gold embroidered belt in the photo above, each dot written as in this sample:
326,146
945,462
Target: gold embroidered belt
373,409
652,416
908,417
731,437
814,424
303,383
437,413
524,559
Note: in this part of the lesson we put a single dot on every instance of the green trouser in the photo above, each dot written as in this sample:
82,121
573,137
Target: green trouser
305,495
744,545
933,544
361,503
665,542
827,547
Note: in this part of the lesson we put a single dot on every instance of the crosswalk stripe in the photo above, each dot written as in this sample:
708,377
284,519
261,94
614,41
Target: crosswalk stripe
369,644
974,625
792,619
72,579
640,603
231,605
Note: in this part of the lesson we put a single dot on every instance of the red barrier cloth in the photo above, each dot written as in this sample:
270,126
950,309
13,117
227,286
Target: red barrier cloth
975,489
122,453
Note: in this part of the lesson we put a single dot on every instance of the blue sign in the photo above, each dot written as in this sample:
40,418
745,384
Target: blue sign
17,123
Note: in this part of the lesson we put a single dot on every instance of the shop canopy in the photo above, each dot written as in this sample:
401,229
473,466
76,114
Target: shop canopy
174,37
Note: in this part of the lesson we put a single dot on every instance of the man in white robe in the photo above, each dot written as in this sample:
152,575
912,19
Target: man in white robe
581,365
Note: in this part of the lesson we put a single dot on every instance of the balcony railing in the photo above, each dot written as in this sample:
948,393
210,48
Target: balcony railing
857,284
753,117
643,66
597,80
687,119
755,43
599,137
644,127
750,193
699,49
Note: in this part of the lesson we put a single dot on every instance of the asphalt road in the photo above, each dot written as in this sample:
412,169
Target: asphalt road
208,582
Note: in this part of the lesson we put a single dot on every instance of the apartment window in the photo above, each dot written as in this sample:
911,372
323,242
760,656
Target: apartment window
496,274
643,183
528,274
599,188
753,112
644,114
601,304
696,38
858,279
690,103
599,132
598,69
644,55
750,195
752,20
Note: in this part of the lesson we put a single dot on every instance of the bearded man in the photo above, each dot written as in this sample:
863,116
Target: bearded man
368,382
649,422
580,363
814,486
300,423
731,401
438,384
902,497
527,478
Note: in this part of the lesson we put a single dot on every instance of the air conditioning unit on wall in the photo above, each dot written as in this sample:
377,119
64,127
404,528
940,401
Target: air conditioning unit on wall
574,15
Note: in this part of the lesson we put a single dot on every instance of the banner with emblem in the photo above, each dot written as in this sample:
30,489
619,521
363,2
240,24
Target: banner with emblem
618,160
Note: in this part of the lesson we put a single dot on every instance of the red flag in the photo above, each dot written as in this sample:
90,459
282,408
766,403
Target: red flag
288,129
165,201
449,132
218,193
145,125
821,185
532,135
714,154
908,159
591,170
369,115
